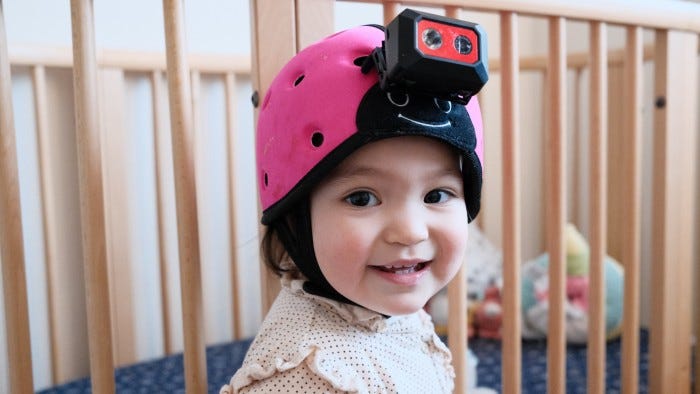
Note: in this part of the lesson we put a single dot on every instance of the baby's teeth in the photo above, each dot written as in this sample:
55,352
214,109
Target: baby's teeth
406,270
403,269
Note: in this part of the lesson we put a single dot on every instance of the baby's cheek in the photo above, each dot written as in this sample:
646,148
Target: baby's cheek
456,247
345,246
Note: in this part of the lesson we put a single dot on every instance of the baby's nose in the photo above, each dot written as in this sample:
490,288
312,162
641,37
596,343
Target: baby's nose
406,226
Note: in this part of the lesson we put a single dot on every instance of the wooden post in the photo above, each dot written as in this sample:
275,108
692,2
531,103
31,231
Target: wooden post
91,197
630,164
231,154
457,303
158,125
314,21
556,213
47,208
389,10
510,95
270,21
675,163
185,197
597,206
11,242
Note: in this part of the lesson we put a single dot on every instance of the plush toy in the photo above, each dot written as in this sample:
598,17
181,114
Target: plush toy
438,309
535,288
484,262
488,316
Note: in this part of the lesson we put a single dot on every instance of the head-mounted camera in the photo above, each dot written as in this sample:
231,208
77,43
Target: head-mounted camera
431,54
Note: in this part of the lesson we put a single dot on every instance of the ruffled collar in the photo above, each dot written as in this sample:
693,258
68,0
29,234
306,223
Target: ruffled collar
361,316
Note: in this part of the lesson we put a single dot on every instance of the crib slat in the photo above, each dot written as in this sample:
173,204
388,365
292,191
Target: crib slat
185,197
510,92
158,125
196,101
231,154
270,20
390,9
457,298
575,197
597,205
697,291
115,146
91,197
11,243
556,201
47,207
457,304
457,326
630,161
675,159
314,21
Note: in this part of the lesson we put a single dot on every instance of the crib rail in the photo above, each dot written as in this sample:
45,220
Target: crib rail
283,27
132,61
651,14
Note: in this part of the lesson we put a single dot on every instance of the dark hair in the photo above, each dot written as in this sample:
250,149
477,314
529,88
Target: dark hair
272,251
285,242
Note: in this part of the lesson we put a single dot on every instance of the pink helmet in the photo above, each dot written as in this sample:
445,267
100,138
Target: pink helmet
320,108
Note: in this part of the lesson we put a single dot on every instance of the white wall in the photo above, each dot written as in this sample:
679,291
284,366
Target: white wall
212,26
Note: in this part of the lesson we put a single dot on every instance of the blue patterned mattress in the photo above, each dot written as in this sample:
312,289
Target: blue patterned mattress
165,375
534,365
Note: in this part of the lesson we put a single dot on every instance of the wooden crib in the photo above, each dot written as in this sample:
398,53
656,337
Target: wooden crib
579,153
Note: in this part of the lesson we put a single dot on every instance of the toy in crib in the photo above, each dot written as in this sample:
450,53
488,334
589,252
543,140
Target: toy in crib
484,287
484,271
535,288
488,314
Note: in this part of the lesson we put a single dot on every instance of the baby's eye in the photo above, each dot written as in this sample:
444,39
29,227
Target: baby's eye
437,196
362,199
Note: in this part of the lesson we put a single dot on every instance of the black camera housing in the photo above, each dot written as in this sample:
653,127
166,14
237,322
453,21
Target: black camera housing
447,73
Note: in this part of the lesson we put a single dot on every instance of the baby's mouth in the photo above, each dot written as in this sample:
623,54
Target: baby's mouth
403,269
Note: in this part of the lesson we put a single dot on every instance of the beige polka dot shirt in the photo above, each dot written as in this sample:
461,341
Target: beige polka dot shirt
310,344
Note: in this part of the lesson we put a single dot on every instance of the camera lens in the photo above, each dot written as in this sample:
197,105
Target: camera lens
463,45
432,38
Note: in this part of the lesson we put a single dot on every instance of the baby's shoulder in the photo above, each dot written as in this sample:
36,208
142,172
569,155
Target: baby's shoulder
295,341
297,322
344,347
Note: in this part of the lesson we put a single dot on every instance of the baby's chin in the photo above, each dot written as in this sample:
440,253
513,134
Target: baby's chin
397,309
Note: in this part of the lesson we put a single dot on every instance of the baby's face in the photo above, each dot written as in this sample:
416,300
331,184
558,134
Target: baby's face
390,224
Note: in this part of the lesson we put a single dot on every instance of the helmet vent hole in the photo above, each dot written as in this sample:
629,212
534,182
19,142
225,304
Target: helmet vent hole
265,181
317,139
359,61
298,80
